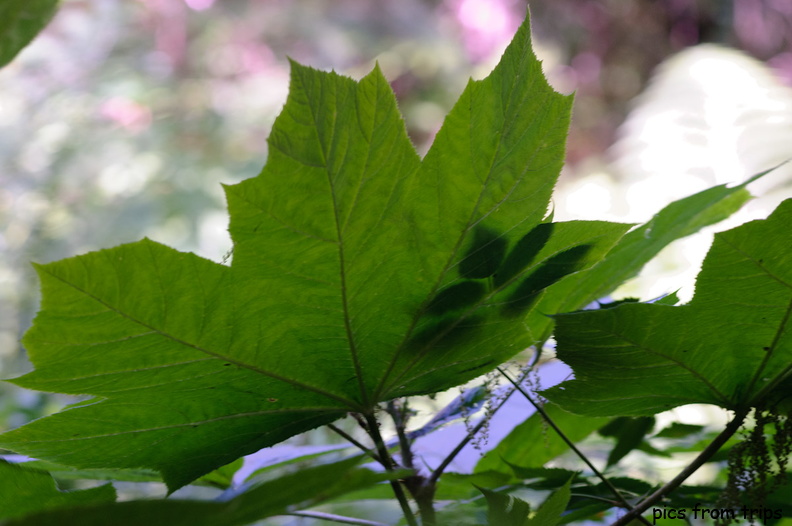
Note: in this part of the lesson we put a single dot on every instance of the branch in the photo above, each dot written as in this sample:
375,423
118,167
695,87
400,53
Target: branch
335,518
486,418
541,411
373,429
355,443
397,414
677,481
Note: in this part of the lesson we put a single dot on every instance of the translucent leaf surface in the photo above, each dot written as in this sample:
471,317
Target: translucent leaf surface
360,273
679,219
508,510
549,513
730,346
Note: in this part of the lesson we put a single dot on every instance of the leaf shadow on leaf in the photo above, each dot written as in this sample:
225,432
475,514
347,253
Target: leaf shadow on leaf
456,297
484,255
552,270
524,252
445,332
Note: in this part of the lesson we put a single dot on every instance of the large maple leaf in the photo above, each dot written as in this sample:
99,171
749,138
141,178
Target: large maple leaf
360,273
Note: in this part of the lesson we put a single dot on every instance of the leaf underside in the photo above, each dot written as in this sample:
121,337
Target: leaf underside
731,346
344,248
360,273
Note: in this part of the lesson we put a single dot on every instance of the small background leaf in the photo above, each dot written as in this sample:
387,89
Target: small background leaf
505,509
20,22
628,432
549,513
24,491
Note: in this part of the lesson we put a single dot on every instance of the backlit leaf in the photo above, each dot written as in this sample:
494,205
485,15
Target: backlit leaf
505,509
549,513
677,220
730,346
360,273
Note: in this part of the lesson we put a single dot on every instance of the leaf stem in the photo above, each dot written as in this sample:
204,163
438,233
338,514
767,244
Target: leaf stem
700,460
398,415
372,426
335,518
539,409
450,457
349,438
486,418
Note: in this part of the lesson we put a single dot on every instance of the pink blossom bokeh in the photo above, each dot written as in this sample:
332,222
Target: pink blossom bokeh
488,25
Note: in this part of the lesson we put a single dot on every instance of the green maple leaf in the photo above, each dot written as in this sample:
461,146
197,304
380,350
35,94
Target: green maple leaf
360,273
731,346
345,247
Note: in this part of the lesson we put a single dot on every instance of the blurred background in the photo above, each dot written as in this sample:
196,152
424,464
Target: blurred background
124,117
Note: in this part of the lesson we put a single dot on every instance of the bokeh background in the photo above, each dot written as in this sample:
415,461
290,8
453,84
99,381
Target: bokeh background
125,116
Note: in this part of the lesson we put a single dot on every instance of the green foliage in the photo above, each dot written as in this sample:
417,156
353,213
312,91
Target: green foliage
347,249
25,491
20,22
507,510
551,510
730,346
363,274
275,497
629,433
530,444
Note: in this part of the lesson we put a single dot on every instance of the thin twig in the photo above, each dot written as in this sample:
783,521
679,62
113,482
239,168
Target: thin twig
596,497
355,443
691,468
541,411
373,430
335,518
467,438
450,457
486,418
